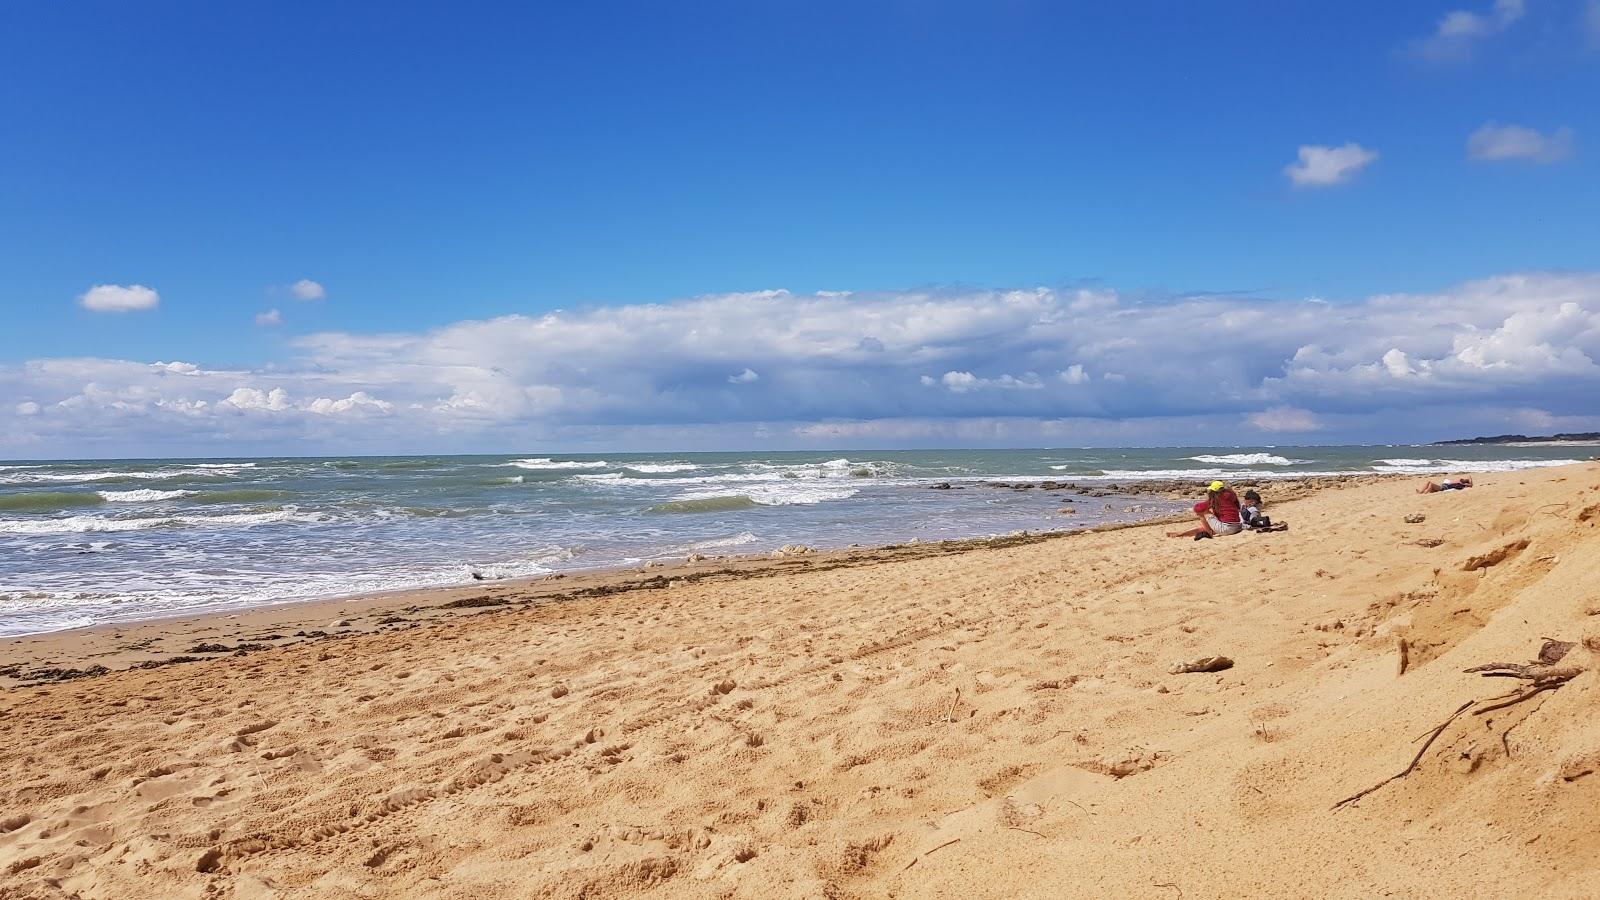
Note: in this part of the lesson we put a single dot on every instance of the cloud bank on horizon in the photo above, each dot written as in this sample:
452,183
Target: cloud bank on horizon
776,369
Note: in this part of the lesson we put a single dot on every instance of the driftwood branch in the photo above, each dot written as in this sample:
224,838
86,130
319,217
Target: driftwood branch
1433,736
1544,674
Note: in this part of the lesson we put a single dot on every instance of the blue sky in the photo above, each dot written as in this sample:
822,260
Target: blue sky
432,166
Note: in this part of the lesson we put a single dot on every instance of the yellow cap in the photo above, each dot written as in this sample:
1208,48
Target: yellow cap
1215,486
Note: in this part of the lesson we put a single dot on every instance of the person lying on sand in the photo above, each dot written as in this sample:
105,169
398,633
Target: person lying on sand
1218,514
1253,518
1460,484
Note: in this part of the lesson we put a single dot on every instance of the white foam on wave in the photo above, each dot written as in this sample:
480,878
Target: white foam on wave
1200,474
543,463
1431,466
39,612
87,524
743,537
730,478
660,468
606,476
1245,459
783,493
536,563
185,471
142,495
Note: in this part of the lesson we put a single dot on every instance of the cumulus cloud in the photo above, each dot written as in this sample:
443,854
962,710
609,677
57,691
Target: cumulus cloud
269,318
1495,142
119,298
963,382
1033,366
1460,31
1320,166
306,289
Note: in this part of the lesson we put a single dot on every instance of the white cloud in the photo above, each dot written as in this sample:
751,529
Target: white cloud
1495,142
745,377
1324,166
1285,419
660,372
964,382
1460,31
254,399
27,408
269,318
119,298
358,402
306,289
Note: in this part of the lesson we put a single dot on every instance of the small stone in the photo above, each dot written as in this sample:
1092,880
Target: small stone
1415,518
339,623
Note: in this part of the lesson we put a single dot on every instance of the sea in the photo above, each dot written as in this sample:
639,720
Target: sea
88,542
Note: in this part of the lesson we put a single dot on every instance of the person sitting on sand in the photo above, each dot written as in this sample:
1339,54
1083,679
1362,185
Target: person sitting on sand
1218,514
1460,484
1253,518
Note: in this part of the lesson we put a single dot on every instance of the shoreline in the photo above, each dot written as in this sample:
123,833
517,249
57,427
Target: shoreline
98,649
977,720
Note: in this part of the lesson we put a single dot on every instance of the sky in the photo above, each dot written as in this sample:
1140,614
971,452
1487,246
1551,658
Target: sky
270,228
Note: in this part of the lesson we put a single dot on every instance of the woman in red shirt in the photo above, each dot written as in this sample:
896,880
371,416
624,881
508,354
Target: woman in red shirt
1218,514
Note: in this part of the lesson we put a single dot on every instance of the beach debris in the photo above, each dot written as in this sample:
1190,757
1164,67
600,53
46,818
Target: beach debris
940,847
473,602
1429,542
1546,673
339,623
1068,511
792,550
695,557
1405,656
1415,518
1201,664
1494,557
1130,762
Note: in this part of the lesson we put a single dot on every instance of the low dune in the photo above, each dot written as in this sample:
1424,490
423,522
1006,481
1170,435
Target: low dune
997,719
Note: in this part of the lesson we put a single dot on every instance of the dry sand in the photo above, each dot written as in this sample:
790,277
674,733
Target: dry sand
934,721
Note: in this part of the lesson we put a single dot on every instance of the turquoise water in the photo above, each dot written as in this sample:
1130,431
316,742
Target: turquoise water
86,542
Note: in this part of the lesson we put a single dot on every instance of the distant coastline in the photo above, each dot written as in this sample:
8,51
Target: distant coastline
1574,439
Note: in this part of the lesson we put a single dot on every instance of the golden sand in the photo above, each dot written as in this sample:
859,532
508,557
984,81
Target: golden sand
977,721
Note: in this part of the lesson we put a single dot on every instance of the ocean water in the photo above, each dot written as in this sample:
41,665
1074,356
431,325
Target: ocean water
89,542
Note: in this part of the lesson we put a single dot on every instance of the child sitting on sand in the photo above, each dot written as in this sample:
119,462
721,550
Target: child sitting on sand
1460,484
1252,516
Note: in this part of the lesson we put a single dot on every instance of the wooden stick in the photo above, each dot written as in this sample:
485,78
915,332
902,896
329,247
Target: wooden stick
940,847
1536,689
1414,760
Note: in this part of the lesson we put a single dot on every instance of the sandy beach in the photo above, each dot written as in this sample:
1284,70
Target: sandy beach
974,719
